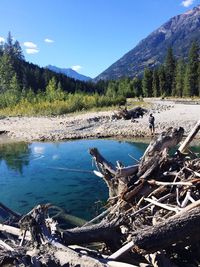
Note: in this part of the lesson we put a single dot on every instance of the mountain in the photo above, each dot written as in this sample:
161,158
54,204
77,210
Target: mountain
178,33
69,72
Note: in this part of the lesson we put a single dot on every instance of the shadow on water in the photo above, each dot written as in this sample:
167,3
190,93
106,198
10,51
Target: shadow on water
15,155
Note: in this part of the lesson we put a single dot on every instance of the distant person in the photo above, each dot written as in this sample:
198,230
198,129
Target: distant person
152,124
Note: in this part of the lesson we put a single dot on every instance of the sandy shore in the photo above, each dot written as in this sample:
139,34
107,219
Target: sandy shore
100,124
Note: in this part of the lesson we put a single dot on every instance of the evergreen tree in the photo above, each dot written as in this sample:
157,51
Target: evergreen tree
112,89
147,83
199,79
6,72
179,78
17,51
8,46
155,84
137,86
162,81
191,77
186,88
170,65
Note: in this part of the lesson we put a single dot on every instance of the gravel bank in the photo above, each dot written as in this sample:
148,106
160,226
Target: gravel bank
99,124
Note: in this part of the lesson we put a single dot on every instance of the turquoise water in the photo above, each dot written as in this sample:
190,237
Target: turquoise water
59,173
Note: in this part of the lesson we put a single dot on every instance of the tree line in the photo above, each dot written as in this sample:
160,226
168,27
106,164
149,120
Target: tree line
175,77
27,88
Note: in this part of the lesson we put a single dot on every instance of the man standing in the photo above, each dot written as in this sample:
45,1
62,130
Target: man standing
152,124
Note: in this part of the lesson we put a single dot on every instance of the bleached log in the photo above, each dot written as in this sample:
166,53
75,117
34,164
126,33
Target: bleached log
6,246
161,205
183,227
190,137
154,182
14,231
157,151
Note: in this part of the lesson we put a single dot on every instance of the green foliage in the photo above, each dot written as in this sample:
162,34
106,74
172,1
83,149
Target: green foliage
186,87
170,65
6,72
147,83
199,79
26,89
137,87
155,84
179,78
192,75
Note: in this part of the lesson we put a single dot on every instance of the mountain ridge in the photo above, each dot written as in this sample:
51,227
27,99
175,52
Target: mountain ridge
178,33
69,72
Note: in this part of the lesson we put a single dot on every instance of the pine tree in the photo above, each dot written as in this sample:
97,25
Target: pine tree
6,72
199,79
186,88
170,65
112,89
162,81
17,51
179,78
8,46
191,79
147,83
155,84
137,87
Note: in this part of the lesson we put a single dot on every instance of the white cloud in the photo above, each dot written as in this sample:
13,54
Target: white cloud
32,50
48,40
187,3
30,45
76,67
2,40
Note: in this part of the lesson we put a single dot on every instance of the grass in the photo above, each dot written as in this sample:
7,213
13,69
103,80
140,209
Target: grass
77,103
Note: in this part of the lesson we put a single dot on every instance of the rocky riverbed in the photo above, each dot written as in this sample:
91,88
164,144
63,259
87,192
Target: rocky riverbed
100,124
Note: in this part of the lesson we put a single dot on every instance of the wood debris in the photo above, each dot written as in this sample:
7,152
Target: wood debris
152,216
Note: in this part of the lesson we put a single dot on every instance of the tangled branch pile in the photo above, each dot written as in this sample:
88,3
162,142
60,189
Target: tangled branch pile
152,218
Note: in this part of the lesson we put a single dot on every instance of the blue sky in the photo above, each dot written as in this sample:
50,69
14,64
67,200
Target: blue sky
87,35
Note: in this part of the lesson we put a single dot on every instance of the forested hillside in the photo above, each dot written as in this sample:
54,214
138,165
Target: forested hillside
26,88
174,77
178,32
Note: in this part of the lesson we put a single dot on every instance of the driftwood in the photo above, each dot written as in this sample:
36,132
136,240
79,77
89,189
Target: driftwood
133,113
102,232
152,217
116,178
190,137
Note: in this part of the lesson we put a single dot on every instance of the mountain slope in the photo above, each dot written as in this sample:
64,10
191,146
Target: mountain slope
178,33
69,72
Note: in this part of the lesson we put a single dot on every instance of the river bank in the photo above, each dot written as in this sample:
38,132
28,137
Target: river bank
100,124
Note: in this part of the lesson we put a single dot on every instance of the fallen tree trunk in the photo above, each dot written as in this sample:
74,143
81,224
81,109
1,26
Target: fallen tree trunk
179,228
115,178
103,232
189,138
157,151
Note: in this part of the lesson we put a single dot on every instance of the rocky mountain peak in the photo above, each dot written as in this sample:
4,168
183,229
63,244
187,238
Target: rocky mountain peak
177,33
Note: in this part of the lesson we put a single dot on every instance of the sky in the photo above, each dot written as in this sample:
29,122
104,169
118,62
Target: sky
85,35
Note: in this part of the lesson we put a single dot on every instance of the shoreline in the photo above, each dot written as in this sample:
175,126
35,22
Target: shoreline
99,124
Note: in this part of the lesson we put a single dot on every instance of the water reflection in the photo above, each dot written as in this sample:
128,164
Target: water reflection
59,173
15,155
